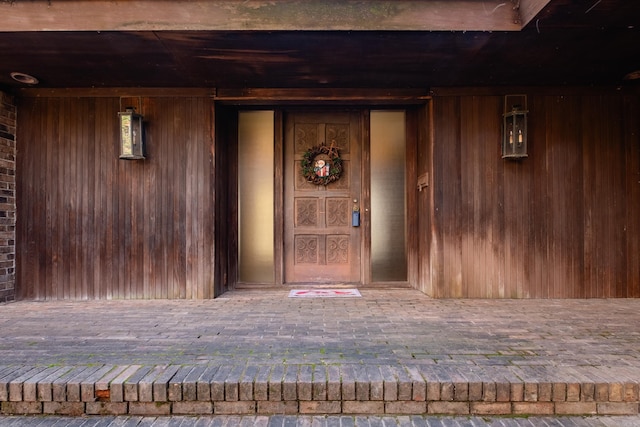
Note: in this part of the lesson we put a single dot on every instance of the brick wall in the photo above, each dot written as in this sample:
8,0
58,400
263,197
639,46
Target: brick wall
7,198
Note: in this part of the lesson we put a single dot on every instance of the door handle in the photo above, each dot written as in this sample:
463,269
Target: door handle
355,214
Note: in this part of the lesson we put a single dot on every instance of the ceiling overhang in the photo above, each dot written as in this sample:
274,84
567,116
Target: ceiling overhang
257,15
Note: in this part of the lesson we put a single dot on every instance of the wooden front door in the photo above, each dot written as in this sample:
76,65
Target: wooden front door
321,245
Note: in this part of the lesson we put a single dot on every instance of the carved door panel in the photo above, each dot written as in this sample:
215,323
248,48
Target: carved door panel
321,245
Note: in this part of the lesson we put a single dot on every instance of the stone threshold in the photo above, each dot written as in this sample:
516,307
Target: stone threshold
310,389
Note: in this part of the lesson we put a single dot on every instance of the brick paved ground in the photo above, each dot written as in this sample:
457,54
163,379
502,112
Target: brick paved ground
391,351
395,327
319,421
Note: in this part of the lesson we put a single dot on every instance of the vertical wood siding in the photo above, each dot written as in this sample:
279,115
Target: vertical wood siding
93,226
563,223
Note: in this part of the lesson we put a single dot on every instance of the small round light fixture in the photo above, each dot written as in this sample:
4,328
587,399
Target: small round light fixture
24,78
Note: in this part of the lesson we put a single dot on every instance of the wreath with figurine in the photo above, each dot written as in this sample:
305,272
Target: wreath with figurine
322,165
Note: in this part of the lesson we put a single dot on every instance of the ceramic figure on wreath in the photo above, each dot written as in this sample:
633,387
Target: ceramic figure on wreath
322,165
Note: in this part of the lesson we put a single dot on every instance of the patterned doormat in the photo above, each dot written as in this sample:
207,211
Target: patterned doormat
324,293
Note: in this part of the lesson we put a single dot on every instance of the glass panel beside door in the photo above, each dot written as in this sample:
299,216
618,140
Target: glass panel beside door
388,196
256,197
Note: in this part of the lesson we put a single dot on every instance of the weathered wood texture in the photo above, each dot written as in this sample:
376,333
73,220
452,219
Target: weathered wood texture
424,272
93,226
230,15
562,223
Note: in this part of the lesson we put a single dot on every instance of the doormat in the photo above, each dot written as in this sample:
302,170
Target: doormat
324,293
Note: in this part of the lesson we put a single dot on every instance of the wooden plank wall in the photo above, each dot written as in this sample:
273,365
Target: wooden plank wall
563,223
426,275
93,226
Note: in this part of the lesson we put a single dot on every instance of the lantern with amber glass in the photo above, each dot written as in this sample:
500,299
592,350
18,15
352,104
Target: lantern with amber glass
514,129
131,135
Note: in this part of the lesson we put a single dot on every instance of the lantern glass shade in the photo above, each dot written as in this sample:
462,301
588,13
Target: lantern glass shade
514,129
131,135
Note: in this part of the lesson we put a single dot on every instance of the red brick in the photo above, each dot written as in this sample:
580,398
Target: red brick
277,408
475,391
320,407
617,408
531,392
491,408
193,408
405,407
334,391
616,392
150,408
234,408
503,392
631,392
261,390
363,407
461,392
587,392
348,390
576,408
390,390
362,391
559,392
447,391
545,392
517,392
63,408
602,392
106,408
419,393
304,391
21,408
433,391
405,389
448,408
275,391
489,392
533,408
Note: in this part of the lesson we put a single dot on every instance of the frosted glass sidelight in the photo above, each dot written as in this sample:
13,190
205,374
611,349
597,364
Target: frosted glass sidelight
255,197
388,196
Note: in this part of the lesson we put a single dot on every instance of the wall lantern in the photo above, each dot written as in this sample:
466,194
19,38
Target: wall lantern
131,135
514,129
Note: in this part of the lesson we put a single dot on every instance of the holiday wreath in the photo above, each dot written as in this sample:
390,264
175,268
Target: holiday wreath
321,165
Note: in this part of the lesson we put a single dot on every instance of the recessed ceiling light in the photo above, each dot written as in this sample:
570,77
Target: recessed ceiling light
24,78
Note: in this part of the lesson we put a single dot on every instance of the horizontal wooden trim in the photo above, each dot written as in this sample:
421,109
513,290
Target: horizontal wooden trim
530,9
229,15
116,92
261,96
538,90
360,96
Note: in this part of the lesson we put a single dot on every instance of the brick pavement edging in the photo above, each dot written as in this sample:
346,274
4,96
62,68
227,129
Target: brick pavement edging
300,389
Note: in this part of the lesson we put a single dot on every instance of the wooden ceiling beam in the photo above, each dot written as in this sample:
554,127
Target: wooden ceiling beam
275,15
262,96
529,9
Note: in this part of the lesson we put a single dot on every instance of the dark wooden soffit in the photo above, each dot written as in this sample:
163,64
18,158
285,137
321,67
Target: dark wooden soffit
231,15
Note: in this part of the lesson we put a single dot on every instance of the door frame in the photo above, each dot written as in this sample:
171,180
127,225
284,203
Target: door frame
414,102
